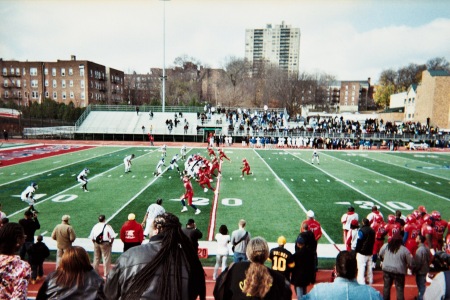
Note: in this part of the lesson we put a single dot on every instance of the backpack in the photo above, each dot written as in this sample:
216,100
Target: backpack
99,238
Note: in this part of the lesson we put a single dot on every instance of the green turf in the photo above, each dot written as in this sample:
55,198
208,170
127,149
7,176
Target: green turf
273,200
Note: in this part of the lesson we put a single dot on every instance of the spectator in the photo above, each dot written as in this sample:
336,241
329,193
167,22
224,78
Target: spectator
4,222
37,254
282,259
396,258
5,134
64,235
103,246
2,214
15,272
73,279
346,220
239,240
439,287
364,250
313,225
310,243
153,210
131,233
422,260
303,272
222,238
252,277
30,224
193,233
167,267
345,285
352,237
375,212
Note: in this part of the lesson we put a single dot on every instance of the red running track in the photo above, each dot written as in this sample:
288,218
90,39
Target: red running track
322,276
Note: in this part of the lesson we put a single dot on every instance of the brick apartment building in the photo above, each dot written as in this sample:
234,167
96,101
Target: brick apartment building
432,105
81,82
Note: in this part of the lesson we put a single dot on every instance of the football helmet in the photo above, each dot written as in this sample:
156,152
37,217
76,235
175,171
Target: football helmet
378,218
436,215
391,219
422,209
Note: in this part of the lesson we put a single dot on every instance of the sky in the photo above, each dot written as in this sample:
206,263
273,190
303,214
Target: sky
350,39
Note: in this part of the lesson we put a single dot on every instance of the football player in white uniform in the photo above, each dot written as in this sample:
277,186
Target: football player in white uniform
173,163
315,157
159,167
127,162
27,196
82,178
183,152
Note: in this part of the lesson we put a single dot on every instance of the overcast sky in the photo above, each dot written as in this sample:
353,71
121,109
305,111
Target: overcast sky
351,40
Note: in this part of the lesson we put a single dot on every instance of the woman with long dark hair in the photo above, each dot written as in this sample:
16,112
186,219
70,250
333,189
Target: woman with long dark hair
73,279
165,268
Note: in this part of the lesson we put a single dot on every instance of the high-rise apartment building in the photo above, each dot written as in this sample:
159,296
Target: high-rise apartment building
78,81
278,45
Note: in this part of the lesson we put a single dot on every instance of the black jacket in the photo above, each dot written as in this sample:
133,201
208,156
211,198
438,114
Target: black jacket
38,253
91,290
304,270
365,241
136,258
228,284
29,227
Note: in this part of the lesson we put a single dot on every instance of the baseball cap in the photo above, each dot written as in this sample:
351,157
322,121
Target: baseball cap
131,216
281,240
300,240
310,214
65,218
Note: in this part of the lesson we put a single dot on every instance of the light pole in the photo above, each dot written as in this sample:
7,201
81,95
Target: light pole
164,77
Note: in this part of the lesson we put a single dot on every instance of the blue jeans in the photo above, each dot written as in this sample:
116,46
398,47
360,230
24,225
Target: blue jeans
24,249
239,257
300,291
398,279
421,285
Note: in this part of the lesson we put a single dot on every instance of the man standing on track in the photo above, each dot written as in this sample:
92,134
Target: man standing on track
82,178
102,247
127,163
188,195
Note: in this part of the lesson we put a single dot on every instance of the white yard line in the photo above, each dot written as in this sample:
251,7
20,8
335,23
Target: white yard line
59,167
74,186
391,178
293,196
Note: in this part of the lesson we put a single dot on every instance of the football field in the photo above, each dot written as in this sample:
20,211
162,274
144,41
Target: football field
273,200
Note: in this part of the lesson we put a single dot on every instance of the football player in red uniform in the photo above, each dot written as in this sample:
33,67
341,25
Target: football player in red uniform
215,165
378,226
392,227
427,231
245,167
188,195
222,155
313,225
439,229
412,230
203,179
211,152
375,212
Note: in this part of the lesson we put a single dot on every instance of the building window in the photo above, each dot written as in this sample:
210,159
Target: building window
5,83
24,71
46,71
55,95
71,83
63,72
82,95
47,94
82,84
64,95
17,71
54,83
46,82
34,83
5,72
34,95
81,70
53,71
6,94
63,83
72,95
70,71
18,83
33,71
